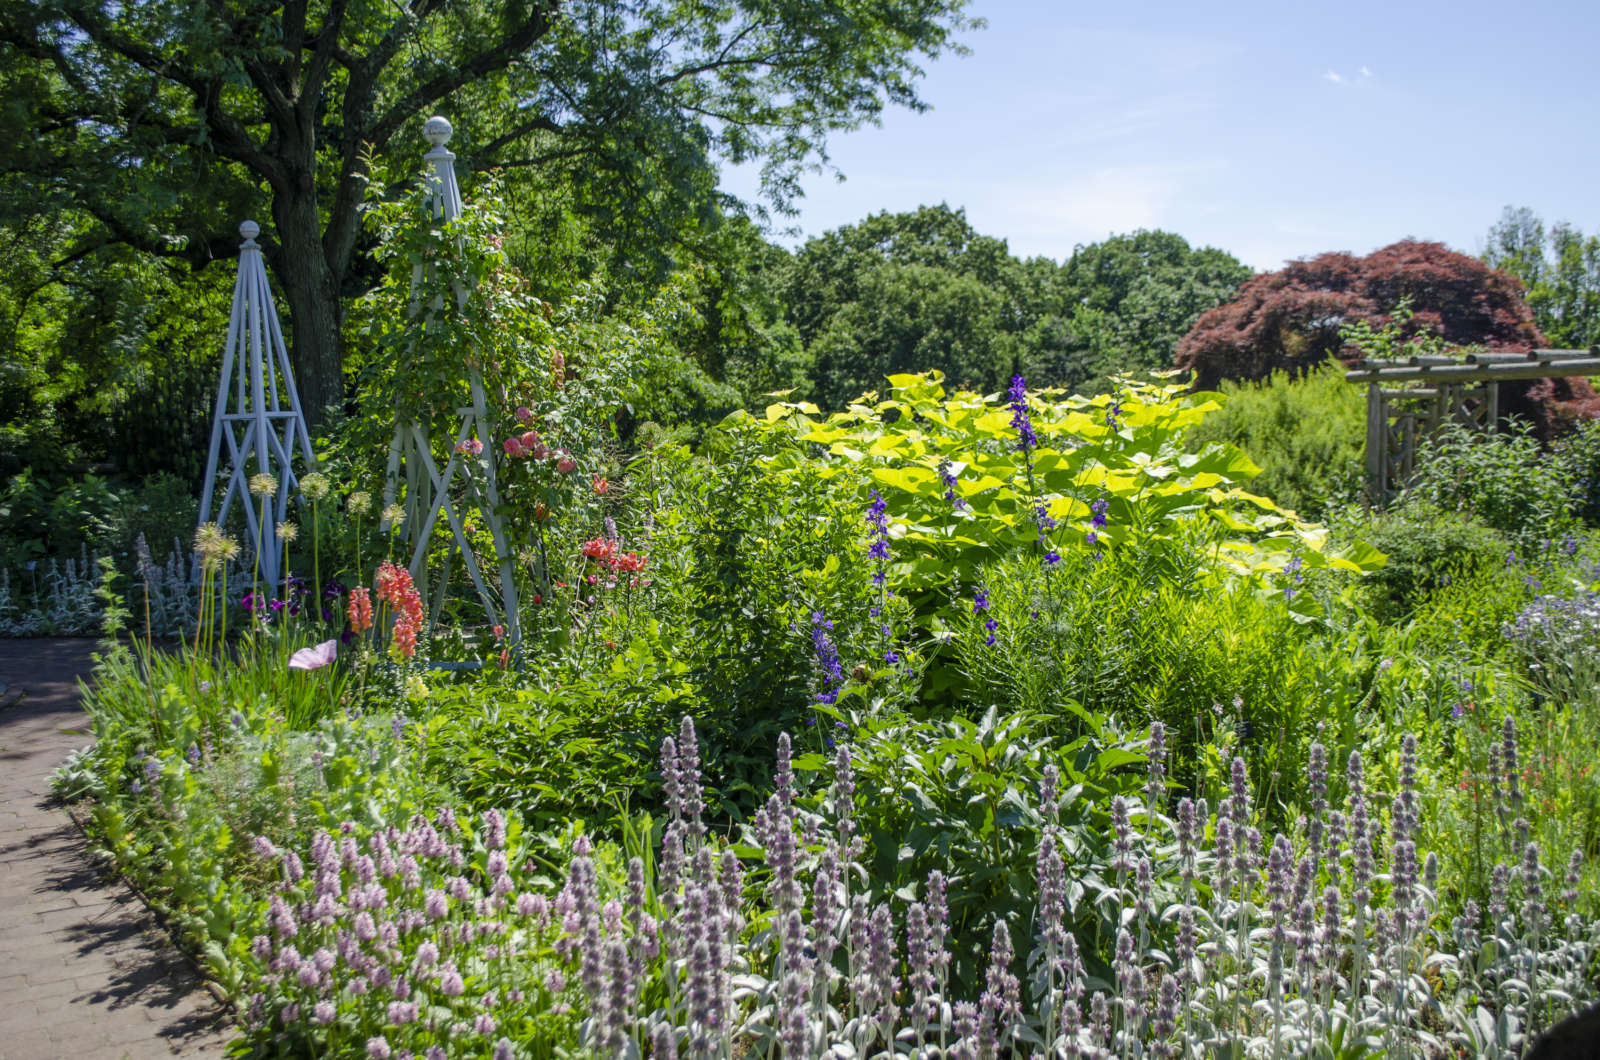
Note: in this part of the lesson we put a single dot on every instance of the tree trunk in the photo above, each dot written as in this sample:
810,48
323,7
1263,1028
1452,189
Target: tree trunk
311,287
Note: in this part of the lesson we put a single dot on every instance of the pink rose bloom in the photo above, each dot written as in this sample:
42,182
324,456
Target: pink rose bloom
566,464
540,452
524,413
529,439
514,447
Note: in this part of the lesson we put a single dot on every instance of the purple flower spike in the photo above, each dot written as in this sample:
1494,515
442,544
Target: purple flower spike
1027,440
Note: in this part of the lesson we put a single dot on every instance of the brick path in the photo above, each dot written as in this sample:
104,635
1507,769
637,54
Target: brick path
85,973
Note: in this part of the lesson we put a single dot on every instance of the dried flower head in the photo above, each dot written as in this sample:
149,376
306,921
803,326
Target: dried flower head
358,503
314,486
263,484
288,533
392,516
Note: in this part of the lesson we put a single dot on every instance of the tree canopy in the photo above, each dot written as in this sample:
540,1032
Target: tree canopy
159,125
922,289
1560,267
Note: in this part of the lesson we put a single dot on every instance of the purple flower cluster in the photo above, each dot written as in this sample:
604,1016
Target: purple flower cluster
1021,422
947,476
825,658
878,527
1097,520
980,605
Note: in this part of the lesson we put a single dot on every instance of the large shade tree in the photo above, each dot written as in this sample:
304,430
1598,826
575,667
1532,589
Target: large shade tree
159,124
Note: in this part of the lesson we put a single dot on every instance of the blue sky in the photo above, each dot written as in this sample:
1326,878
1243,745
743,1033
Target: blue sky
1271,130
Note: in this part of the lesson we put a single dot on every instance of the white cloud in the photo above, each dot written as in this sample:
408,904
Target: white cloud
1333,76
1366,71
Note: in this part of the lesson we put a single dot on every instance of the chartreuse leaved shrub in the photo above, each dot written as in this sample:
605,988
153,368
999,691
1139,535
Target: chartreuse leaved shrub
969,478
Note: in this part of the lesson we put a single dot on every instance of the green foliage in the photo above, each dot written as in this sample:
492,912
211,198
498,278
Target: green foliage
1504,479
960,796
921,290
1307,434
92,514
1132,297
1429,549
1227,669
1560,268
1579,455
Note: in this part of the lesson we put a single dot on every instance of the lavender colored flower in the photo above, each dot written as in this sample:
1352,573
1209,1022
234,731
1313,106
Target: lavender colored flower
1155,788
1122,838
378,1048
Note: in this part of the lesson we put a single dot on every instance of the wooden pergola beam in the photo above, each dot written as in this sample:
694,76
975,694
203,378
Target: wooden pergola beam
1467,373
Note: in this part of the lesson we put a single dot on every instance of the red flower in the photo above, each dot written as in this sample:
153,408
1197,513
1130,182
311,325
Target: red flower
600,485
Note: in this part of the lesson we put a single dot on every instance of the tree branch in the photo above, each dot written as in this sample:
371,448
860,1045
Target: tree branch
485,62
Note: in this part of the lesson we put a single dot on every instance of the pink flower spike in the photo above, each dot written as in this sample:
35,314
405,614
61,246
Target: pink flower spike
314,658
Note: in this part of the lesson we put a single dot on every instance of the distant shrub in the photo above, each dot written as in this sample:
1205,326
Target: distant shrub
1579,455
1306,434
1505,479
1429,549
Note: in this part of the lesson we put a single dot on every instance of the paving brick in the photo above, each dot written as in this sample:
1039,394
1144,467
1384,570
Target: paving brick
87,975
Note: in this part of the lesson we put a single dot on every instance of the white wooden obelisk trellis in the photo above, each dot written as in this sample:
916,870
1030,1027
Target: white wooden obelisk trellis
427,489
258,416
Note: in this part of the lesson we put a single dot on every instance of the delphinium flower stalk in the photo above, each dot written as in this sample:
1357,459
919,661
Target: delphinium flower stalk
878,532
825,655
980,606
947,477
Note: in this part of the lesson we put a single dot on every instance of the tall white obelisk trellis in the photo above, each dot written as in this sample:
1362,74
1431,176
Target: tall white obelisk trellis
258,415
427,489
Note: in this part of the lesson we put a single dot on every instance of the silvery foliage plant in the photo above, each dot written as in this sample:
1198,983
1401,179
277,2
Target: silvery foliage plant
64,600
1225,939
1228,940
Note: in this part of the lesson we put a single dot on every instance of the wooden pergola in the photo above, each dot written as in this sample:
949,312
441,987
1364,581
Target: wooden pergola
1411,400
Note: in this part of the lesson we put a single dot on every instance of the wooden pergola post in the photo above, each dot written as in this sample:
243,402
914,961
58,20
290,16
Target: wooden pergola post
1447,385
